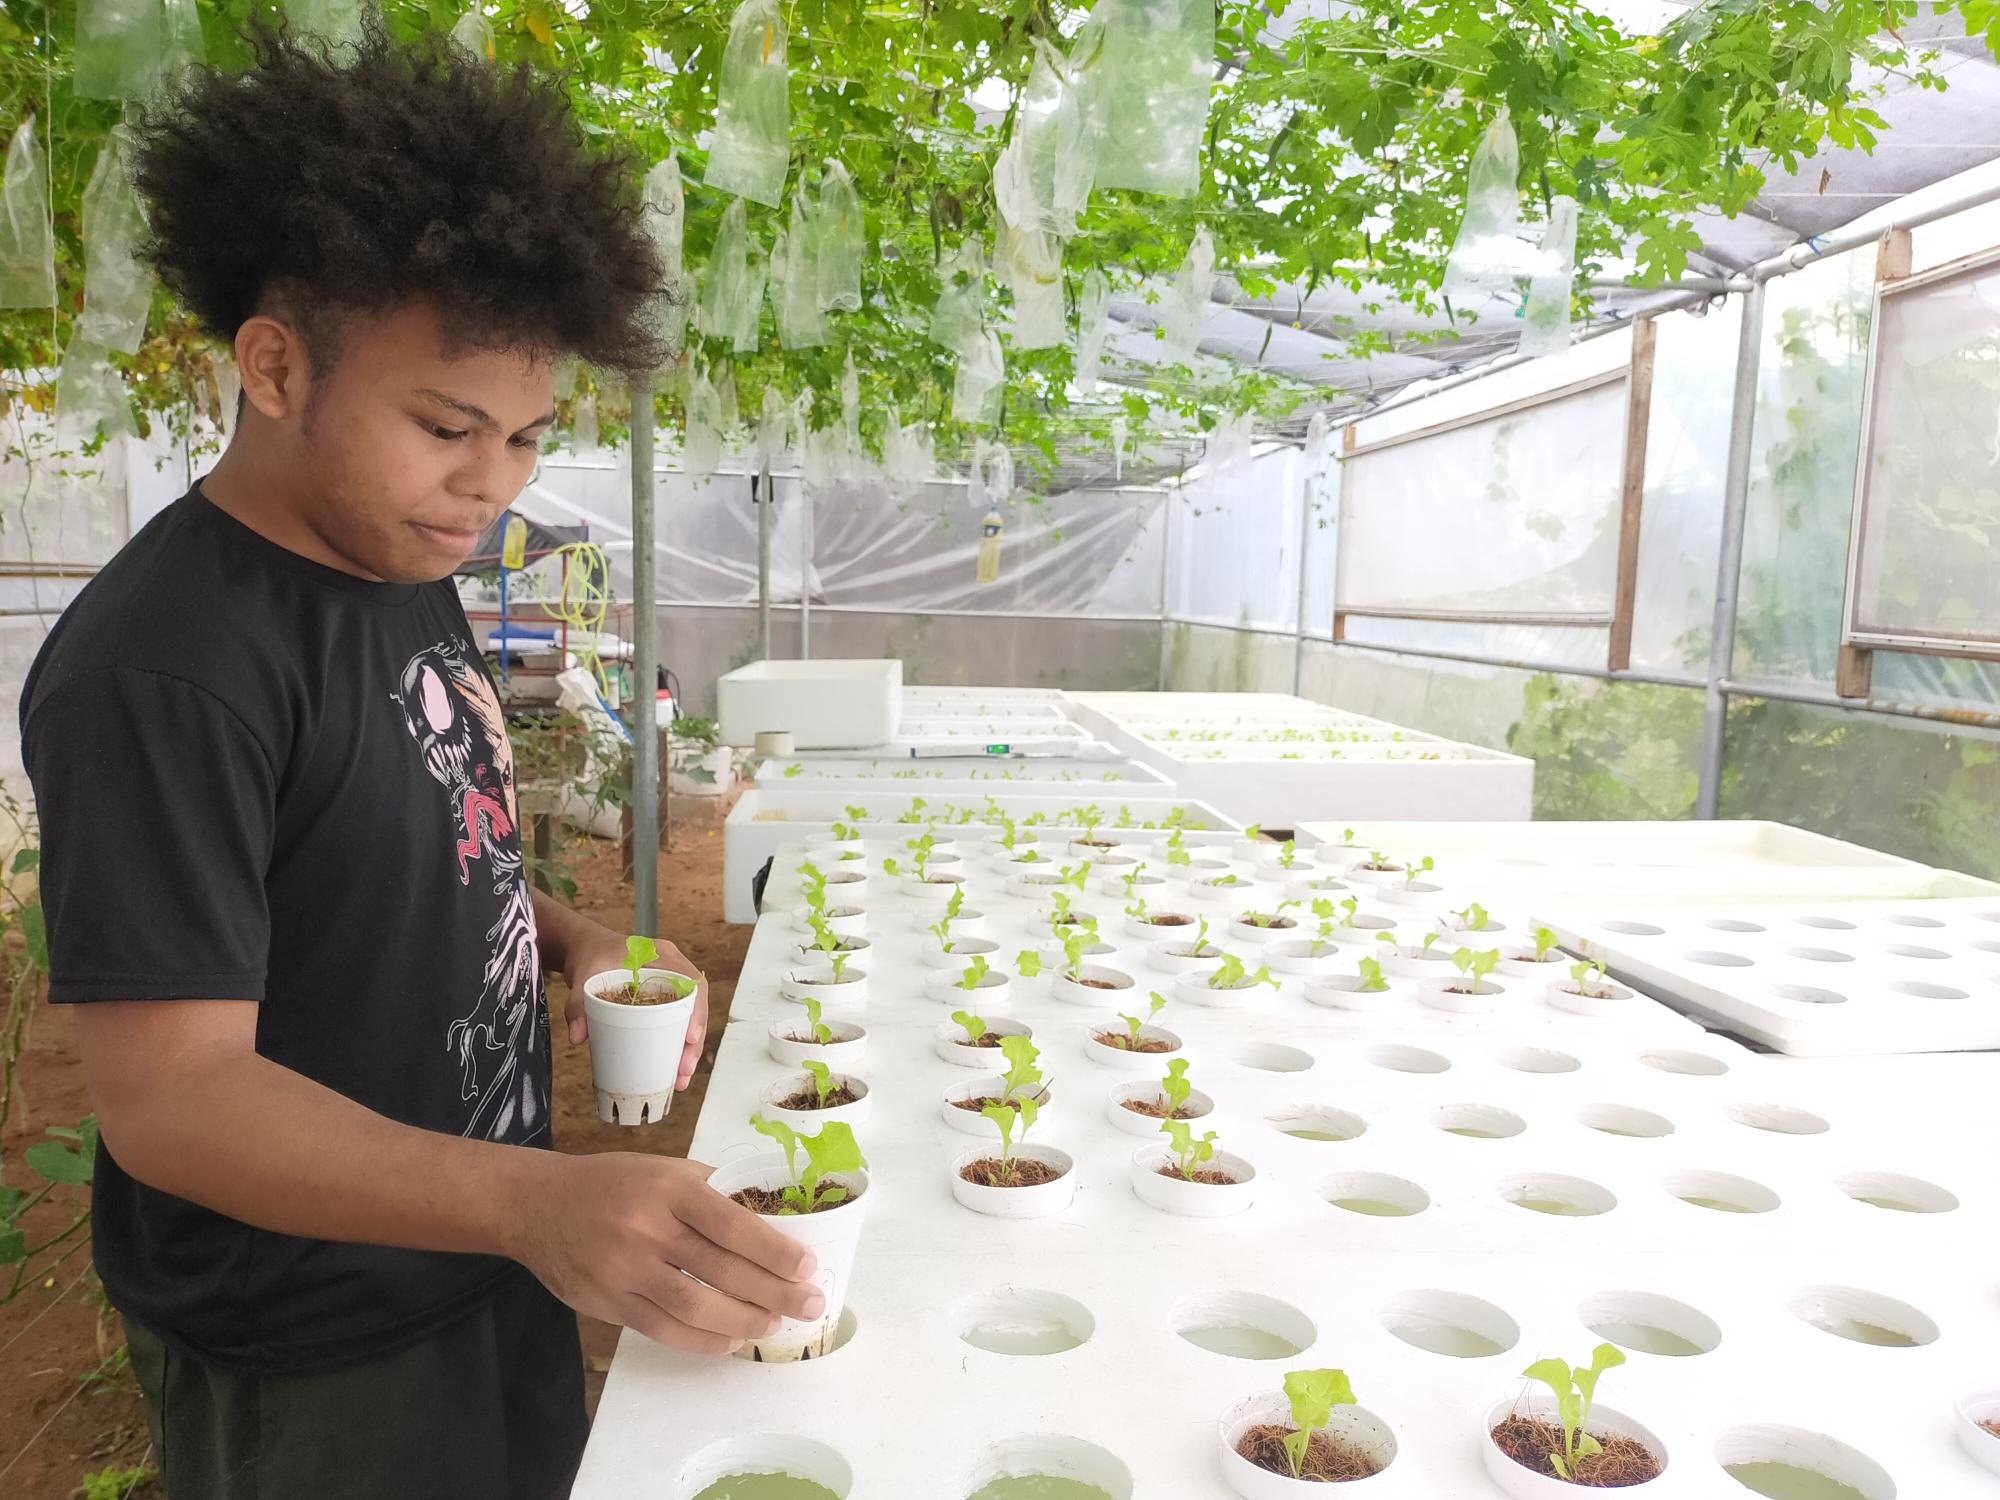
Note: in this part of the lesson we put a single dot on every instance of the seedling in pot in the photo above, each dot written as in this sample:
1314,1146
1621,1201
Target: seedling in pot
1329,919
1191,1155
1231,975
1372,981
829,942
1306,1450
825,1093
1008,1169
1473,918
1288,854
1570,1451
1015,1084
1172,1101
976,1034
1009,833
1587,979
1177,849
833,1149
1545,941
1129,1040
814,881
1273,918
916,811
1473,968
1075,944
1421,867
1381,863
656,989
1199,948
1028,963
1075,875
941,928
846,833
1224,882
975,972
818,1033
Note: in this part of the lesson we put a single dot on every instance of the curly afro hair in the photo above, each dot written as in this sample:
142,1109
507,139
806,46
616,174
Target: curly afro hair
325,185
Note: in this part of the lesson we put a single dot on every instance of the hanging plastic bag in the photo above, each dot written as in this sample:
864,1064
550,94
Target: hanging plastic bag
1093,322
908,461
1227,447
842,237
1188,301
852,460
117,287
795,280
773,424
337,22
1545,313
1031,265
1042,180
1121,434
724,282
751,149
27,242
1145,69
975,393
662,207
117,53
959,316
181,43
563,384
92,407
474,33
727,415
990,482
1488,254
749,327
583,423
701,442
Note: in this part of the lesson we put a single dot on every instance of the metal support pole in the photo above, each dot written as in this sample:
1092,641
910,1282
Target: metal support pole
1299,615
645,674
760,495
1166,566
1729,558
805,575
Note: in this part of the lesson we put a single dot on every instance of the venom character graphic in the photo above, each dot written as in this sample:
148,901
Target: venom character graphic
451,712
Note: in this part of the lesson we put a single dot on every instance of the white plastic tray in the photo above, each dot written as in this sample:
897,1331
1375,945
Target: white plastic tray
969,775
1823,978
822,704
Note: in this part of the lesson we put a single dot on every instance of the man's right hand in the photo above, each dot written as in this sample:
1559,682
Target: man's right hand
644,1241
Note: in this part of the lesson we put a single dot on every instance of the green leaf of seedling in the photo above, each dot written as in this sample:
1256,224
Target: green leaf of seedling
1189,1153
1371,977
1175,1088
24,861
1544,940
1021,1073
821,1033
822,1079
972,1025
1005,1118
1159,1003
639,954
1314,1394
1028,963
976,970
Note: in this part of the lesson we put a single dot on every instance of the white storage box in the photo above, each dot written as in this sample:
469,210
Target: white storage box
823,705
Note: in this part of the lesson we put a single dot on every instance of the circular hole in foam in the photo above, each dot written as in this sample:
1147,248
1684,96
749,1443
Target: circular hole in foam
1688,1064
1375,1194
1558,1195
1897,1193
1046,1456
1863,1317
1625,1120
1538,1060
1449,1323
1022,1320
1721,1192
1779,1119
1822,955
1650,1324
1398,1059
1243,1325
1912,950
1317,1122
1924,990
1808,994
1717,959
1478,1121
1828,924
1634,929
764,1453
1778,1462
1731,924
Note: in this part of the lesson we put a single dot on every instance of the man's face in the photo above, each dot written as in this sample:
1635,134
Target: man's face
413,452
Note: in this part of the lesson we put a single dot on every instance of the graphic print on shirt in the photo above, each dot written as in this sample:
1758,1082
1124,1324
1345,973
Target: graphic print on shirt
451,712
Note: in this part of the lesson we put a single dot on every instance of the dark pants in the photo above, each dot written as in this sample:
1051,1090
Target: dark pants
489,1408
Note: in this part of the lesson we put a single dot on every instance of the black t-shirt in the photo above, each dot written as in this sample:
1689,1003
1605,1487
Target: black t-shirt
263,779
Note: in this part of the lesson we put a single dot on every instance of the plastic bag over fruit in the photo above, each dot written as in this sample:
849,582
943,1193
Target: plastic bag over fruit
27,242
117,287
842,233
1043,179
1187,302
1093,322
751,149
990,483
1031,265
794,278
1121,436
92,407
336,21
701,444
1488,254
117,53
773,427
728,298
1545,315
959,316
1145,69
475,34
663,208
181,43
975,392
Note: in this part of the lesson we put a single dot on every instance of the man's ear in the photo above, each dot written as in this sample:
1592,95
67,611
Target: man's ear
272,360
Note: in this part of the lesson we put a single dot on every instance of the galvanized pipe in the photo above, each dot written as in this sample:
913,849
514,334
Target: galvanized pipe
760,494
645,673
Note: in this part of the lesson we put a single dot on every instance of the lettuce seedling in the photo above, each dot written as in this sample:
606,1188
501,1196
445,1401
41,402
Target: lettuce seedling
846,833
1233,976
973,1027
1475,918
1130,880
1021,1072
822,1081
1177,849
639,954
1189,1154
1254,832
1288,854
1347,838
1009,833
1372,981
1137,910
1323,938
1576,1390
827,941
820,1032
1544,940
1014,1123
916,811
1174,1088
1588,977
1377,860
1028,963
832,1149
1074,942
1200,949
1075,875
1422,867
975,971
1474,966
1224,882
1429,939
1133,1025
941,928
1313,1394
814,881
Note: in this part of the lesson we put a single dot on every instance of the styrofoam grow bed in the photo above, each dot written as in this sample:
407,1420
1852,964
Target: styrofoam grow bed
1262,785
965,776
821,704
1779,1313
763,821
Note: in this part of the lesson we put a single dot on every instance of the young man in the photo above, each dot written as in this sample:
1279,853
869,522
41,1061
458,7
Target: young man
281,858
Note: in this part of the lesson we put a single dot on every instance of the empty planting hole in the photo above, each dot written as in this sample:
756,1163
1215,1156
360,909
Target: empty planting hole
1827,924
1479,1122
1732,924
1716,958
1539,1060
1808,994
1909,919
1650,1324
1912,950
1790,1463
1720,1192
1317,1122
1023,1320
1822,955
1635,929
1923,989
1779,1119
768,1466
1558,1196
1273,1057
1897,1193
1408,1060
1449,1323
1244,1325
1688,1064
1375,1194
1625,1120
1863,1317
1046,1467
1986,946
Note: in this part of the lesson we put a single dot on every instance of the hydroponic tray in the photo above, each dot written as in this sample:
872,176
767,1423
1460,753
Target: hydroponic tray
1822,979
821,704
961,776
910,1410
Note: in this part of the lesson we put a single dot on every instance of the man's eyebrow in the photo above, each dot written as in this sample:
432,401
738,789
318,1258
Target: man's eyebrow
475,413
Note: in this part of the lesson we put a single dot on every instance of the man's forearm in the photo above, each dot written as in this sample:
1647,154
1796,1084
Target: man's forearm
267,1146
560,930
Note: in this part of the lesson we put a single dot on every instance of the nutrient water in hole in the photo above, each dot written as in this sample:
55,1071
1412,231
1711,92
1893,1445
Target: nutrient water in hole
1379,1208
1039,1487
1239,1342
1446,1338
1023,1338
766,1487
1777,1481
1646,1339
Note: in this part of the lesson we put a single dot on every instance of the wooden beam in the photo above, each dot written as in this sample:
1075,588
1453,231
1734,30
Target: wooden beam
1853,672
1892,255
1638,415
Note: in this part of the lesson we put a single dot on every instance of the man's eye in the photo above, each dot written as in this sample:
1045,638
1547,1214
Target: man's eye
526,443
443,434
